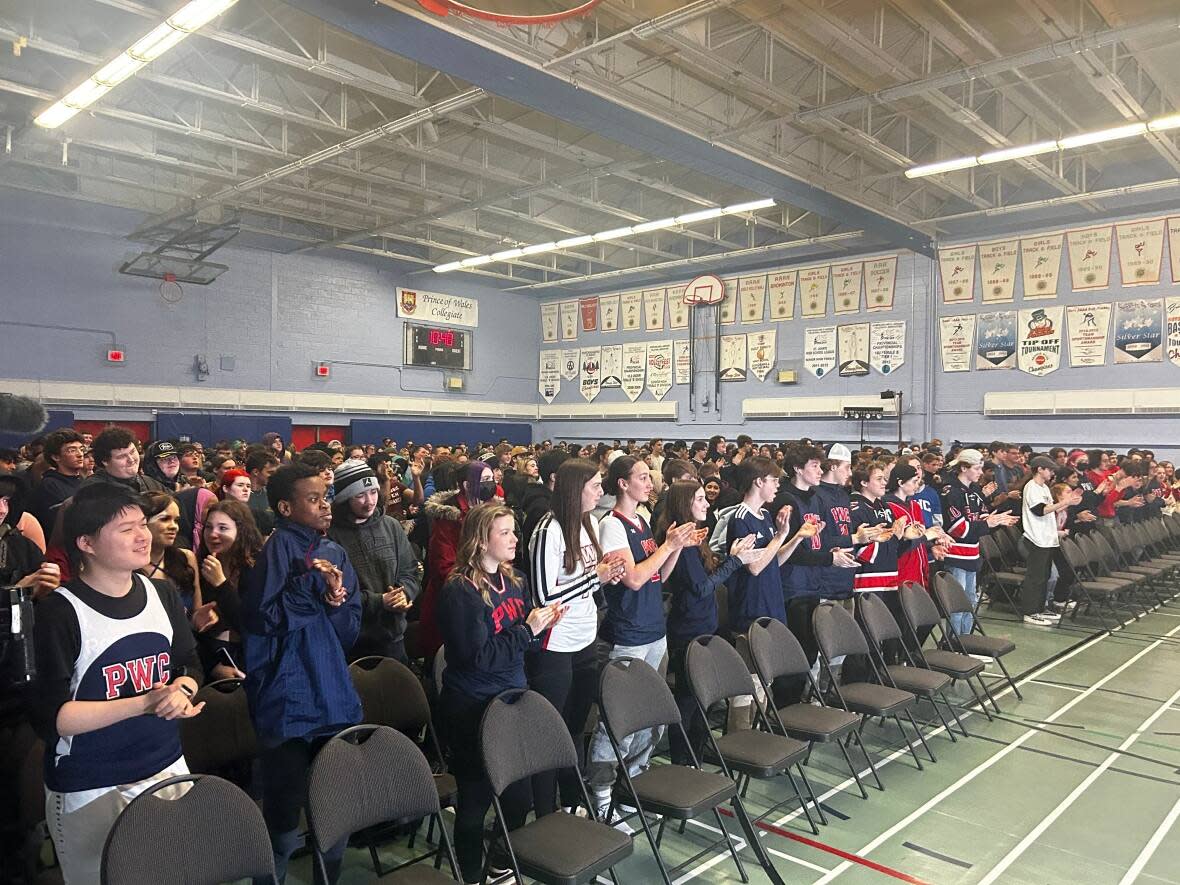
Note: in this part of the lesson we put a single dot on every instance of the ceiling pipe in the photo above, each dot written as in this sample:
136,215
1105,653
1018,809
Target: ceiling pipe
1065,199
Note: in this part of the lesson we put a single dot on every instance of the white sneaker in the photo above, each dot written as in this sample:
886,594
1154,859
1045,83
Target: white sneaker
1040,620
1051,615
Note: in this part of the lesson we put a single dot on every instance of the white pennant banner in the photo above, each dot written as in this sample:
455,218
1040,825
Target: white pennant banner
549,322
813,290
677,309
632,308
549,375
570,364
634,369
612,366
880,282
1089,328
1040,261
1089,257
997,270
957,336
608,313
887,346
682,354
852,350
819,350
1174,330
729,302
956,269
752,295
760,348
1039,352
659,368
1141,251
733,357
1139,331
846,286
653,310
569,320
781,288
591,358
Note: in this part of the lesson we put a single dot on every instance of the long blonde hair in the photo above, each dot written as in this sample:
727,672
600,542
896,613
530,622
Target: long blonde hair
477,532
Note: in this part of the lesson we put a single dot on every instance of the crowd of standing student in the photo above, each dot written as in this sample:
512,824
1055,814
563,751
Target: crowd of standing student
157,570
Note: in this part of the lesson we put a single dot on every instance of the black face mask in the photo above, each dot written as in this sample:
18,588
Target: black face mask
487,489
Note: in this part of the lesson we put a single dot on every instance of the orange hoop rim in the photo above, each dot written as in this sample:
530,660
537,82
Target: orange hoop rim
448,7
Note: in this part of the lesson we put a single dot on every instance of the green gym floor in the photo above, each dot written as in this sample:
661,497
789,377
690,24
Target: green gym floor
1079,782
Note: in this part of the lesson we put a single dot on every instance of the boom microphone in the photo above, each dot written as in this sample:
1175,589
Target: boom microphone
19,414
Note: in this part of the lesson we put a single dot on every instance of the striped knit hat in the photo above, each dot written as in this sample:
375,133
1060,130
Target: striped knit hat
353,478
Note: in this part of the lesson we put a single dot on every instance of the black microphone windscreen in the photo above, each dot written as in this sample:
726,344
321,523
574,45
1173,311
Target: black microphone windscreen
19,414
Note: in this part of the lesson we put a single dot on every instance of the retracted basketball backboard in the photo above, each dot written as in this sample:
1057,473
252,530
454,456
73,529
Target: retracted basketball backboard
705,289
512,12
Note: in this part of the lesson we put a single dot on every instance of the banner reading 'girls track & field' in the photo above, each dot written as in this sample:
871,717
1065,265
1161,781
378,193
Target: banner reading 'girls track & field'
1040,340
995,340
1089,328
632,309
846,279
1040,260
957,335
433,307
1141,251
1139,331
813,290
956,269
733,358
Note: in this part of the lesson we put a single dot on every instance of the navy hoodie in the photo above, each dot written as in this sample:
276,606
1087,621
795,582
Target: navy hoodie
694,594
833,504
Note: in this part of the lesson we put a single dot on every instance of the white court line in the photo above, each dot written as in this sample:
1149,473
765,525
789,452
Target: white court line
774,851
1012,856
988,763
1072,688
1152,844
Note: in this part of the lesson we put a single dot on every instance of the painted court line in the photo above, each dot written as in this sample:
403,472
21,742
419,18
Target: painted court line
1152,844
1012,856
937,855
988,763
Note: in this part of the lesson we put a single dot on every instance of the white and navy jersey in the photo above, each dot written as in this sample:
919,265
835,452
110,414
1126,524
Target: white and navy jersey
551,583
114,657
965,520
878,559
633,617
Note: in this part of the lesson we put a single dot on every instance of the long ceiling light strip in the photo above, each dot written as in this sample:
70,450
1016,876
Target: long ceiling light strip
189,18
1020,152
617,233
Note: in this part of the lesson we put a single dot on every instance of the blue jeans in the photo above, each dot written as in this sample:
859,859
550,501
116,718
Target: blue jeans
635,748
963,621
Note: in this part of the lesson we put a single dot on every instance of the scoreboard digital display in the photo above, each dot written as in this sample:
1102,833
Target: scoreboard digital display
437,347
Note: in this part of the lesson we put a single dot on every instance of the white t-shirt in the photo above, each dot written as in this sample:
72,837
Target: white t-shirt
578,627
1039,530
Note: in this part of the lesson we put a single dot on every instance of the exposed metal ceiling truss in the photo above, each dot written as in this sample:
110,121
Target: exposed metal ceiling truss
321,140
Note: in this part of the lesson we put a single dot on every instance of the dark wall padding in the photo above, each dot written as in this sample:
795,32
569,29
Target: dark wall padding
210,428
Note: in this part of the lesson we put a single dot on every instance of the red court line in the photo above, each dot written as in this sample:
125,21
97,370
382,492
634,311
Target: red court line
832,849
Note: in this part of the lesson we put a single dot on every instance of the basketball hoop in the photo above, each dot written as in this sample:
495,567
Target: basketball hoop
509,12
170,290
706,289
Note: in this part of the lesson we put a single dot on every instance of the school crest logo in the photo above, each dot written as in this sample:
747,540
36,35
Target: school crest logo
409,301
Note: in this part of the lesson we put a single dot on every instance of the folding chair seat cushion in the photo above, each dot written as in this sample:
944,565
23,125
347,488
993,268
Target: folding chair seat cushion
989,646
1009,577
876,700
917,680
561,847
1099,588
952,663
822,724
759,753
678,791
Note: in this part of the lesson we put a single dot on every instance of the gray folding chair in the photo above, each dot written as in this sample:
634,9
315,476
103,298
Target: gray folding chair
213,833
952,599
222,738
369,775
521,735
717,674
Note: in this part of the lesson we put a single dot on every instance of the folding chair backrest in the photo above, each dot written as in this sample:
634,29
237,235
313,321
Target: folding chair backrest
213,833
1073,554
1108,552
716,671
950,594
633,696
390,694
837,632
223,734
918,607
522,734
775,650
383,777
990,550
878,621
1093,551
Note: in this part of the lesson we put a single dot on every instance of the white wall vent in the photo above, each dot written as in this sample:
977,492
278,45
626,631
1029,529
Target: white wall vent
811,406
1092,402
1033,402
1157,401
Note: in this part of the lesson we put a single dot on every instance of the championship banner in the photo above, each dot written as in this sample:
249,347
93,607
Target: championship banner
880,282
1139,331
995,340
1040,340
634,369
1089,257
591,358
677,309
434,307
570,364
549,322
608,309
956,269
1174,330
733,357
781,288
760,351
819,350
1141,251
659,367
813,290
887,346
653,310
682,356
1089,327
1174,246
846,286
997,270
957,335
852,347
589,311
612,366
1040,258
752,298
549,375
729,303
632,305
569,320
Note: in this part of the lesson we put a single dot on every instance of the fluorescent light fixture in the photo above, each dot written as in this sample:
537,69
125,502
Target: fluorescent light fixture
616,234
1017,153
654,225
448,267
751,206
476,261
189,18
702,215
574,242
1086,138
1172,121
538,248
507,254
941,166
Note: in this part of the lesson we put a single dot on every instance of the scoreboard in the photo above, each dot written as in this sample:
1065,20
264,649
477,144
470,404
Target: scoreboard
437,347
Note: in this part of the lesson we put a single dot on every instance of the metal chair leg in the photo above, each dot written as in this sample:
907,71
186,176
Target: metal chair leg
851,767
921,737
909,743
732,848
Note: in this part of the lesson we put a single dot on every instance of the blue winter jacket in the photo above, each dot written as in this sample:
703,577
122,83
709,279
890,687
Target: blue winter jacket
297,681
